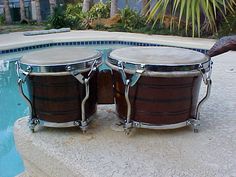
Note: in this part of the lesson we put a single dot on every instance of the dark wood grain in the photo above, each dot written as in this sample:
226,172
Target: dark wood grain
159,100
105,93
58,98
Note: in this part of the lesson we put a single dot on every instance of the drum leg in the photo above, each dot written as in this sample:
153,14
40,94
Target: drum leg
83,124
32,121
128,125
208,82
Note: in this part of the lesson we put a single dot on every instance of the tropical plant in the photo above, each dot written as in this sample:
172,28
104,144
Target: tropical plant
192,12
58,18
130,19
2,20
145,7
228,26
74,16
99,10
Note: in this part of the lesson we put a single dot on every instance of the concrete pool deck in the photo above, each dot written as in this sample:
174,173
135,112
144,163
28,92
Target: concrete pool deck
103,152
14,40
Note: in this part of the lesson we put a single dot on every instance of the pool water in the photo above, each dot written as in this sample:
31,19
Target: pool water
12,107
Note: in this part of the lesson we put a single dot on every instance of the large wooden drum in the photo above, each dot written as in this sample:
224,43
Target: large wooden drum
62,85
158,87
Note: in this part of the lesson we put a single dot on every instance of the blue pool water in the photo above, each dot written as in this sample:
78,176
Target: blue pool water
12,107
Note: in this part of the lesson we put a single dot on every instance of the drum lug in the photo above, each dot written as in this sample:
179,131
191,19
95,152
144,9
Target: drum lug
134,78
195,123
33,122
84,126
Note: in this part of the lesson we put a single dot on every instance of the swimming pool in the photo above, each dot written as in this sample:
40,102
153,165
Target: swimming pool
12,107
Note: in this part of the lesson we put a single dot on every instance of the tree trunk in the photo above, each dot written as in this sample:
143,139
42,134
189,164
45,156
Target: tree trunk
86,5
114,7
7,12
145,8
38,11
52,6
22,10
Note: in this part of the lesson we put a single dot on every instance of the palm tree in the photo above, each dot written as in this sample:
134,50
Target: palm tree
86,5
38,11
191,12
52,6
22,10
145,7
7,12
114,7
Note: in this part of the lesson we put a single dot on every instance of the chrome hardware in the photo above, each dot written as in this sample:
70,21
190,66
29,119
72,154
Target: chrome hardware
76,123
32,123
22,76
84,124
129,82
83,80
206,77
136,124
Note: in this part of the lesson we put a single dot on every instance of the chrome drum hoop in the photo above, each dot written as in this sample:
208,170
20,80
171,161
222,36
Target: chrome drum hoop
137,124
61,69
132,67
64,124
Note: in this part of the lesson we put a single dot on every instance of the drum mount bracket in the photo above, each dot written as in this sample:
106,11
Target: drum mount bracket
206,77
83,123
129,82
22,76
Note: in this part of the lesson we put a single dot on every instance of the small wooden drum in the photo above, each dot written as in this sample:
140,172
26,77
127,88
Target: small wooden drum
157,87
62,85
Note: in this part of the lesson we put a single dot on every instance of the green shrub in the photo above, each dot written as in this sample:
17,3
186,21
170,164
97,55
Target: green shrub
228,26
99,10
74,16
57,19
131,20
2,20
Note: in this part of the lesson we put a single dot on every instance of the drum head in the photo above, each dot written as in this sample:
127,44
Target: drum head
59,56
159,61
158,56
59,60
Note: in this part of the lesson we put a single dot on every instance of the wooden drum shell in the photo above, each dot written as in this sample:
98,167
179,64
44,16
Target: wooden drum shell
158,100
105,93
58,99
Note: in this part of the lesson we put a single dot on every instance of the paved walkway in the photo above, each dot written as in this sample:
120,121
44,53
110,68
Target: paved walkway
103,152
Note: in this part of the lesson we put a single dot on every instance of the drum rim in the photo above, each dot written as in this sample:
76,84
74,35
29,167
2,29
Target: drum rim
132,67
82,66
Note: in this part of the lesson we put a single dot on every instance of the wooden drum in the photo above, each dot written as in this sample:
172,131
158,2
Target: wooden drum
158,87
62,85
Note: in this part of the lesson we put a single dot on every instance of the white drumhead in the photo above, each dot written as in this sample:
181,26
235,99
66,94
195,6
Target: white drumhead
158,56
59,56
